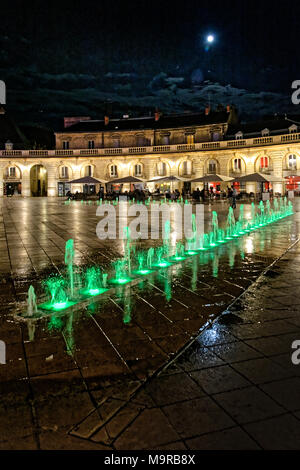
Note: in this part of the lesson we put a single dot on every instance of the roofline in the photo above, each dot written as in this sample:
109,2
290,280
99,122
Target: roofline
139,129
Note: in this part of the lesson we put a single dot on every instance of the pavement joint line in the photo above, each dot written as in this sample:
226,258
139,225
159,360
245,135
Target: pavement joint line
156,373
251,383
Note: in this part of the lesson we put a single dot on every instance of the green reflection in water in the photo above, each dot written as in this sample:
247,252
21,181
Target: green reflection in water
194,273
127,306
55,323
168,287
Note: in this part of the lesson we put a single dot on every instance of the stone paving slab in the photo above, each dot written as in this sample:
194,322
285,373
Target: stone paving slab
246,400
87,384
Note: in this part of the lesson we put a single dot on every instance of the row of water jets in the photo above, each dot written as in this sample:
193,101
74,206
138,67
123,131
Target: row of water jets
76,285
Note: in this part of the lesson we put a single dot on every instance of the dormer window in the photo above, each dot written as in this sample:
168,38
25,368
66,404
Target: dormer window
265,132
9,145
140,140
239,135
190,137
293,129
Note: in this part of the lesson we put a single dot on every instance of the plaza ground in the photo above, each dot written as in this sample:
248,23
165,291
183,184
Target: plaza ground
95,382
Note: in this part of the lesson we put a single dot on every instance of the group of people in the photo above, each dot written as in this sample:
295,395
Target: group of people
142,194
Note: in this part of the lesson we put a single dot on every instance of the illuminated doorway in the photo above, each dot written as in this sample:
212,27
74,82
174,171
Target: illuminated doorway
38,181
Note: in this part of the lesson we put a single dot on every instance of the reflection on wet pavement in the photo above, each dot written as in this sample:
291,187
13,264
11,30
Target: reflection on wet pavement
87,362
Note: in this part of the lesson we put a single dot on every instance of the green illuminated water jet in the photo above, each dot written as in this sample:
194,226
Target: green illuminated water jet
74,287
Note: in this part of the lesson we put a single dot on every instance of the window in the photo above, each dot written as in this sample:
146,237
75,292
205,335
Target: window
12,172
65,172
162,169
265,132
216,136
138,169
292,162
264,162
239,135
237,164
140,140
116,142
212,166
113,170
293,129
88,171
91,144
165,139
66,145
190,139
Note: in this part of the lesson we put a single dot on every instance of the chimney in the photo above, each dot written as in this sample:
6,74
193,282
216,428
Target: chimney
106,120
157,115
70,121
207,110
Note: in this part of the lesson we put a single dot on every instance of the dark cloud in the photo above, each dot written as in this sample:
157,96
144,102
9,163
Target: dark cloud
72,57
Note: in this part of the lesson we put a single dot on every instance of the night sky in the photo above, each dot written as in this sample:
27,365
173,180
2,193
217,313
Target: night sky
69,58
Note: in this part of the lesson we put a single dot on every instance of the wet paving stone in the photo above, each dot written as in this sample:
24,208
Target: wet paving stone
285,392
278,433
92,383
196,416
260,370
173,388
197,357
248,404
160,432
229,439
219,379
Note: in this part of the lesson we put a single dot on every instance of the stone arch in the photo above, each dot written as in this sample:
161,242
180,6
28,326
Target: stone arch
59,172
132,168
109,173
38,179
232,169
84,169
209,167
167,167
12,179
262,163
19,173
286,162
185,166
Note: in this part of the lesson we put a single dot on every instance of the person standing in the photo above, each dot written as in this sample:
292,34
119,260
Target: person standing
234,195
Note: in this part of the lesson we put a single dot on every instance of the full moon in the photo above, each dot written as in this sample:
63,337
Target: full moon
210,38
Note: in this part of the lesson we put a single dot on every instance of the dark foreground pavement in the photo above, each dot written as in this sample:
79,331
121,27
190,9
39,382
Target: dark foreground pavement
235,387
88,385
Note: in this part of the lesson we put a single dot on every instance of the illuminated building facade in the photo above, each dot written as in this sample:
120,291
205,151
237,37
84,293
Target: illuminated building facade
187,146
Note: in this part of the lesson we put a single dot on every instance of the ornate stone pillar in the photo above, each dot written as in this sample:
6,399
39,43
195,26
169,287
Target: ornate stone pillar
76,174
1,181
52,182
26,182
